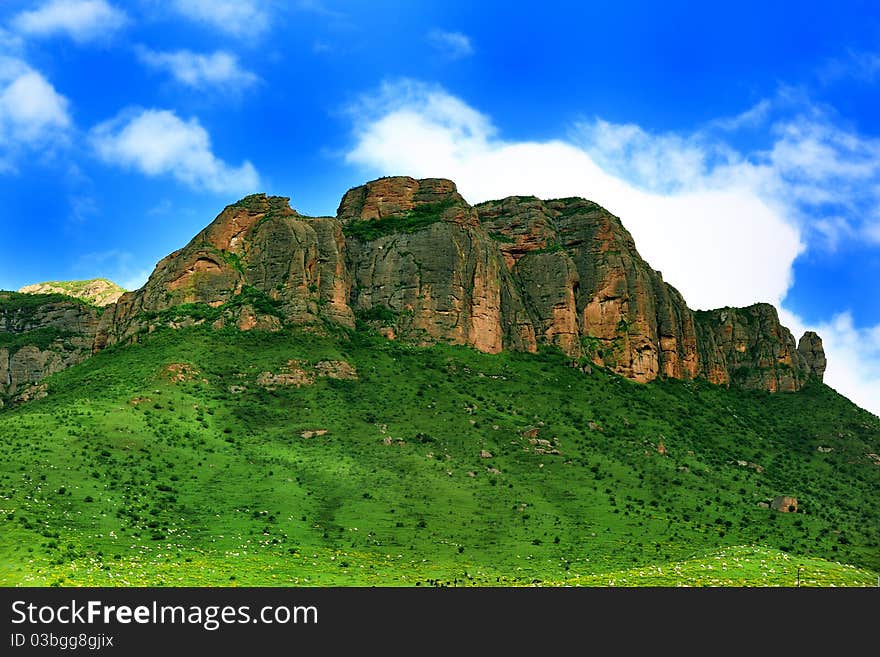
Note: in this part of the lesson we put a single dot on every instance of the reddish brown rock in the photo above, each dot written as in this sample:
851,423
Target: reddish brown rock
784,504
750,348
415,261
259,261
443,279
587,289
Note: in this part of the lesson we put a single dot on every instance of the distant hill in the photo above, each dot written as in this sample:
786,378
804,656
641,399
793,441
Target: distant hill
97,291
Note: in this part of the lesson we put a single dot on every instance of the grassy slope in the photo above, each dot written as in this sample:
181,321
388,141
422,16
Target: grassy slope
123,476
78,290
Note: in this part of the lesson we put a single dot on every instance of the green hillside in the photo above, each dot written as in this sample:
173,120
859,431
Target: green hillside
250,458
97,291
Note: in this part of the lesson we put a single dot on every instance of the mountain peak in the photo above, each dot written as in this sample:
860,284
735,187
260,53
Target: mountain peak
397,195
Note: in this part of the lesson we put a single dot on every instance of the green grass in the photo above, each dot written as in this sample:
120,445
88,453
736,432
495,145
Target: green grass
259,300
77,290
124,475
16,302
420,217
41,338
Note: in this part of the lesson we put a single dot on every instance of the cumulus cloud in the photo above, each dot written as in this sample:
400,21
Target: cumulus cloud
236,17
158,142
813,173
32,112
853,356
81,20
694,204
451,44
689,235
219,69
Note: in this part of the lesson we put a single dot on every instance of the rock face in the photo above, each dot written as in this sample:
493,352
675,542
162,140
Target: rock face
41,334
421,262
256,264
810,348
97,291
413,259
587,289
750,348
784,504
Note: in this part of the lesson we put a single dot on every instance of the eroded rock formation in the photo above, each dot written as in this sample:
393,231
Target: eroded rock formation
415,260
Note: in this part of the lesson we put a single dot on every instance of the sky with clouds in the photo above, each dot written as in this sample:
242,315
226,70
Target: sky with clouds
739,144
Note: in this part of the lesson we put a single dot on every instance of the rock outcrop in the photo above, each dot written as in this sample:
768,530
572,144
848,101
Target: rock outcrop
41,334
810,349
784,504
588,290
413,259
421,262
257,265
749,347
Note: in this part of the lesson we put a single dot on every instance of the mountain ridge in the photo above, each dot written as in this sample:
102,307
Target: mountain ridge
414,260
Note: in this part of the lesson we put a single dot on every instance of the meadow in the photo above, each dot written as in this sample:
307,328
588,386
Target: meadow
226,458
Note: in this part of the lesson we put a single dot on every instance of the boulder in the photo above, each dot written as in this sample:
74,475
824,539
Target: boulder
784,504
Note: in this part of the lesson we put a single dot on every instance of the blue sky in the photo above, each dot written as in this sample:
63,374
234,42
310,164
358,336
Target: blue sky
740,144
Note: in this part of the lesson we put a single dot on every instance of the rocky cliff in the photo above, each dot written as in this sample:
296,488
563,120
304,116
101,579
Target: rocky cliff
39,335
257,265
588,291
750,348
413,259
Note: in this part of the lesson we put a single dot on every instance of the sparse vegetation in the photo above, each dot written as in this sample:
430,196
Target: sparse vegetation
125,475
421,216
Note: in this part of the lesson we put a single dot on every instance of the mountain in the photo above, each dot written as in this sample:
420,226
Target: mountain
415,260
96,291
418,391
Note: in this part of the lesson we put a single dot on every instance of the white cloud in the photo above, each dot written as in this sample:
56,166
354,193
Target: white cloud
82,208
82,20
451,44
9,42
319,8
158,142
31,106
853,356
693,203
750,117
218,69
32,112
236,17
419,130
657,162
134,281
862,66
